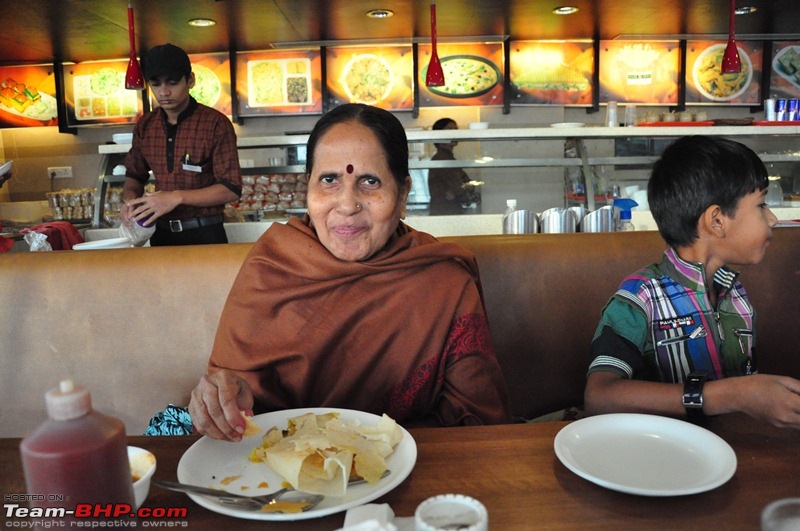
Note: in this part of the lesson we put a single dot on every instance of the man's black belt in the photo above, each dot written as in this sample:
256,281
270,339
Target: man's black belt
180,225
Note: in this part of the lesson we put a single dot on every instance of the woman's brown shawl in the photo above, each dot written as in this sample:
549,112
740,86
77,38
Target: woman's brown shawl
402,333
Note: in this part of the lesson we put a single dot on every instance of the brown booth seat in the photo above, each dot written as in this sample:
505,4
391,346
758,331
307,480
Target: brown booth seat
136,325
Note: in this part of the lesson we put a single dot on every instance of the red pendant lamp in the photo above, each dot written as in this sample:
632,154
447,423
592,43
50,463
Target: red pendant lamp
134,79
731,63
435,75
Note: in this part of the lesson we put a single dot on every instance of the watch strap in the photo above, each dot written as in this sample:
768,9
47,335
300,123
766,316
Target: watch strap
693,395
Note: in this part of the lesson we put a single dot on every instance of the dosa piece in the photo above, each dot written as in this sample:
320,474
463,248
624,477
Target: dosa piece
318,453
250,427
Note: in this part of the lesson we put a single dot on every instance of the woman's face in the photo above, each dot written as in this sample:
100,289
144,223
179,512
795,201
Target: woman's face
353,199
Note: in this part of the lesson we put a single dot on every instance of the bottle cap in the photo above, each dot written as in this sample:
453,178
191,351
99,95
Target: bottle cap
511,203
68,401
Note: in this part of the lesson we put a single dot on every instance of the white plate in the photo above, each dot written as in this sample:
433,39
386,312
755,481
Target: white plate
208,461
647,455
108,243
5,168
568,124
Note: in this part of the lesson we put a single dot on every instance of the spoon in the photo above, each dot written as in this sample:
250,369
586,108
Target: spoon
435,75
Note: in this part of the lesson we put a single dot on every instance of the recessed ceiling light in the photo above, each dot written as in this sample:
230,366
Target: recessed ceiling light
565,10
380,13
202,22
745,10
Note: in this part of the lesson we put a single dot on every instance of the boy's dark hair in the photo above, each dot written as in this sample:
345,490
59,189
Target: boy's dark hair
167,60
694,173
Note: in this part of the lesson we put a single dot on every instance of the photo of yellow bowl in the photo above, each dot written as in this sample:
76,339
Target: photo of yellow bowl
712,83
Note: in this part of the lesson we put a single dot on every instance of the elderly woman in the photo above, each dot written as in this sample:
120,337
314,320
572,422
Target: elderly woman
350,307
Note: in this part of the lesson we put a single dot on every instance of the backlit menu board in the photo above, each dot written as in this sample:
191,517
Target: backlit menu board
705,82
279,82
95,94
639,72
375,75
27,96
473,75
552,72
785,75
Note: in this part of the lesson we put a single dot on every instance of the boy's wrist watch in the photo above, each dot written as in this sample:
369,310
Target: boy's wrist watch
693,395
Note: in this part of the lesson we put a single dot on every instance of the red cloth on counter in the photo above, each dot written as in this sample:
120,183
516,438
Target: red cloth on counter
61,235
6,244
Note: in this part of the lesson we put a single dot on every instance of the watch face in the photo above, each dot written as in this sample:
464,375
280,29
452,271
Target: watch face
693,391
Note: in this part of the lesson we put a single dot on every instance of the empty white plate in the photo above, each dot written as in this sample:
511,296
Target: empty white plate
647,455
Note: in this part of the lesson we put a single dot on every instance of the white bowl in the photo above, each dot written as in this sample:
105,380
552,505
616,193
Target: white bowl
122,138
143,466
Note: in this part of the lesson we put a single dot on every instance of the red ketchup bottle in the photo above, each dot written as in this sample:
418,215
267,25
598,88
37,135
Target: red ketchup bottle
77,456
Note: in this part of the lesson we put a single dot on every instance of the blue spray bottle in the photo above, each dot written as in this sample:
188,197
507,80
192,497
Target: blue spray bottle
625,205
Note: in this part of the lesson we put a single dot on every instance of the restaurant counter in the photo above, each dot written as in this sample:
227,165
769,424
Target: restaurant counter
439,226
514,472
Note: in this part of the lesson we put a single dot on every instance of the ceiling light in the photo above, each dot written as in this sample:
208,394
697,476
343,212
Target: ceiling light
746,10
380,13
565,10
202,22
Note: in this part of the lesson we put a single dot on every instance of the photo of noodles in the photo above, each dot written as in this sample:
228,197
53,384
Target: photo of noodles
367,78
712,83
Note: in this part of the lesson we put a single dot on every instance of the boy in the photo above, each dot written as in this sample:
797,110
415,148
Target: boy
191,150
676,335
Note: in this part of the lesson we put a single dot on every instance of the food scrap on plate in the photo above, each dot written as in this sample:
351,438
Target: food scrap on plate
318,453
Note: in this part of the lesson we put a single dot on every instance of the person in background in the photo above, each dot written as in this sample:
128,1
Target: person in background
191,150
327,310
678,337
448,187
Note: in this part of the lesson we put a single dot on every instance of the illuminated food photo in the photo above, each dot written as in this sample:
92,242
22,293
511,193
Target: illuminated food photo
712,83
207,87
367,78
467,76
787,64
279,82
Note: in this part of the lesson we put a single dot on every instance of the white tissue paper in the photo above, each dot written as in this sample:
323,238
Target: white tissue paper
369,517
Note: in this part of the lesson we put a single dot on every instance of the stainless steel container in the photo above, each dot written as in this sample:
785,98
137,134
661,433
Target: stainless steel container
601,220
521,222
558,220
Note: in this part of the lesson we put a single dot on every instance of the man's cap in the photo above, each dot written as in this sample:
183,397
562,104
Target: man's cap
167,60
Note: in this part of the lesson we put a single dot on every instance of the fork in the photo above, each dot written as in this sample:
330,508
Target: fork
247,503
255,503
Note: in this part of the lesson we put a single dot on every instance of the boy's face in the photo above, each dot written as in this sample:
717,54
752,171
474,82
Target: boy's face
172,95
748,232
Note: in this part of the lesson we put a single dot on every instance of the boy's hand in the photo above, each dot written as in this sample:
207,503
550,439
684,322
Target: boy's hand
771,398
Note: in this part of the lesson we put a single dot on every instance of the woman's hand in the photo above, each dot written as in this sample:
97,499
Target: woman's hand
216,402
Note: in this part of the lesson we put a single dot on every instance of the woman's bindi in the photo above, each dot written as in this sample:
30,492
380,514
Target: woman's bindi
349,168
